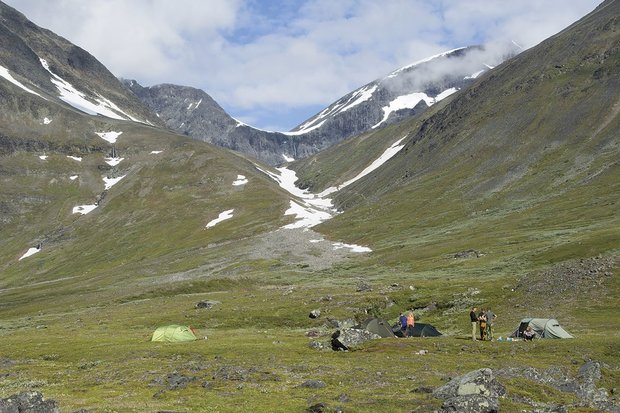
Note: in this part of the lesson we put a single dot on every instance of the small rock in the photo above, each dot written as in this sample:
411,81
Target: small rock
207,304
313,384
343,398
318,408
315,314
423,389
316,345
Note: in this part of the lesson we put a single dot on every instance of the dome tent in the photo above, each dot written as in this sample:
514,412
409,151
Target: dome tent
377,326
174,334
543,327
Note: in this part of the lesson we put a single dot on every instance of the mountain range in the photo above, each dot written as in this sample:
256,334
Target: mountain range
430,190
401,94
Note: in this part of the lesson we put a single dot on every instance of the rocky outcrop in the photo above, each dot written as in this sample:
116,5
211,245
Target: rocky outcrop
28,402
475,392
480,391
350,337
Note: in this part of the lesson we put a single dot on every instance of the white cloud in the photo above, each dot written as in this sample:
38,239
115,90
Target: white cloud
260,57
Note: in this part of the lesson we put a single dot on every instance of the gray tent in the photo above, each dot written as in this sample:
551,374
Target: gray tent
543,327
378,326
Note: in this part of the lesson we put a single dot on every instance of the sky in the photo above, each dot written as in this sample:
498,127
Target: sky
273,64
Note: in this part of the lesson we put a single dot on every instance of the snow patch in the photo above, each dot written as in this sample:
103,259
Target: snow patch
156,152
113,161
192,107
445,94
352,247
4,72
110,182
84,209
30,252
306,216
385,156
304,131
396,72
404,102
359,96
69,94
75,158
222,217
43,157
109,136
47,121
241,180
475,75
73,177
287,158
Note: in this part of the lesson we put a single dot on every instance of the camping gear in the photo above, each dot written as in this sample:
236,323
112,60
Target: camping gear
377,326
543,327
174,334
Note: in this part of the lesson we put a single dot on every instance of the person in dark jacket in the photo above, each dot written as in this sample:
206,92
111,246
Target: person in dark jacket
402,321
474,322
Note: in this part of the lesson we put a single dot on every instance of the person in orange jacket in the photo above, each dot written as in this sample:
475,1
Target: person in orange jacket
410,324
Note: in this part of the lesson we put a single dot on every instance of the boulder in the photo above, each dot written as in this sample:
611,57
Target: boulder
471,403
313,384
28,402
207,304
349,337
315,314
474,392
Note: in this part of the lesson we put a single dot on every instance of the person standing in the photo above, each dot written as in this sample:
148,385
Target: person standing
410,324
402,321
490,320
482,317
474,322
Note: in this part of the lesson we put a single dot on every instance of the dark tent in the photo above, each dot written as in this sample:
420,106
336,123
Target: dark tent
419,330
425,330
378,326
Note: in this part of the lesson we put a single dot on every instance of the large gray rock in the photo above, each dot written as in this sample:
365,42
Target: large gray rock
350,337
473,403
28,402
474,392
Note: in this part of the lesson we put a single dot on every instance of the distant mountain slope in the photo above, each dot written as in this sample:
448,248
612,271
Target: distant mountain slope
402,94
192,112
41,62
528,154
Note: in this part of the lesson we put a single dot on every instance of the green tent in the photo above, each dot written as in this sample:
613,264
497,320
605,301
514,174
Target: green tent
173,334
543,327
378,326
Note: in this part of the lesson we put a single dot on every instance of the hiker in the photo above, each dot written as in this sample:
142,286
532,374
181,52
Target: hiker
474,322
529,334
402,321
410,324
490,320
482,317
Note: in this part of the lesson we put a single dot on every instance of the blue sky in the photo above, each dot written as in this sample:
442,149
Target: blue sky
273,64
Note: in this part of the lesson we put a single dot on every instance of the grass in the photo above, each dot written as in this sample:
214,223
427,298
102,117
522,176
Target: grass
257,355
